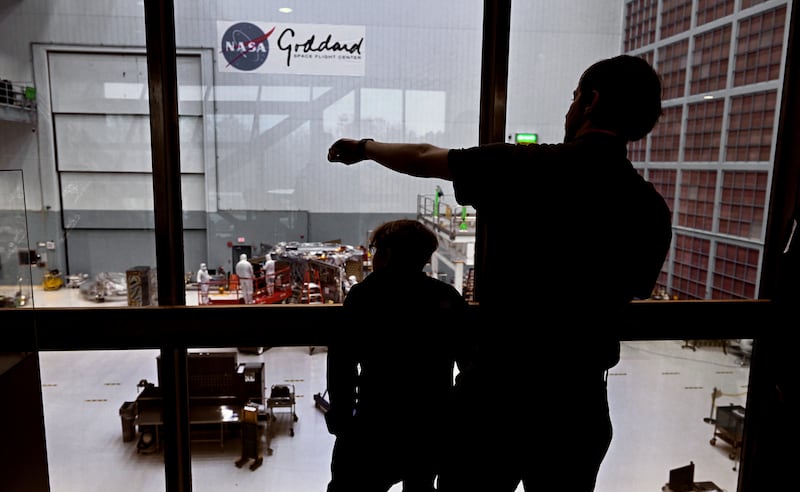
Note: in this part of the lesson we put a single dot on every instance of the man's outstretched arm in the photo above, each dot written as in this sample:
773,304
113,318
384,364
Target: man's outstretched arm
421,160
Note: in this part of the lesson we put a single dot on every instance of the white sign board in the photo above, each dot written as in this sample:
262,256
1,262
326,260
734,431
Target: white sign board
301,49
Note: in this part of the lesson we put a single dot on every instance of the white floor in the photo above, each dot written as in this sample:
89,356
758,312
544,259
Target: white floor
660,393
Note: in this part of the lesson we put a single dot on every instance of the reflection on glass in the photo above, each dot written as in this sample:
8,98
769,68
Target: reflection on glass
17,258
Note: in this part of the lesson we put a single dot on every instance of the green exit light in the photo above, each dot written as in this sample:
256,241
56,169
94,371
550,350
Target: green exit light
527,138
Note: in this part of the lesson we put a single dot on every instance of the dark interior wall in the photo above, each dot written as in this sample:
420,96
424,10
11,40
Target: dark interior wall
108,250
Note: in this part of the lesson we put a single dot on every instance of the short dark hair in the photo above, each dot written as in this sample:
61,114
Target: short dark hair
630,95
408,243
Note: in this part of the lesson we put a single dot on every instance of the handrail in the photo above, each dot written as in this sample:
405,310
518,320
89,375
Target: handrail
56,329
17,95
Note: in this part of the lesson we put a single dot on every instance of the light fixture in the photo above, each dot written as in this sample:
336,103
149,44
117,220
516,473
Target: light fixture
285,10
708,96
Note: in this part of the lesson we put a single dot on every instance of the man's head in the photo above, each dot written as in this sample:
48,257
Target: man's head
203,266
403,243
621,94
242,257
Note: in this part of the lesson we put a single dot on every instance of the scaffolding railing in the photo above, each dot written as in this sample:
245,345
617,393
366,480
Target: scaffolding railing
454,221
17,95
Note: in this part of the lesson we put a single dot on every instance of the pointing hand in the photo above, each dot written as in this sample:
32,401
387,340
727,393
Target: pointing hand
346,150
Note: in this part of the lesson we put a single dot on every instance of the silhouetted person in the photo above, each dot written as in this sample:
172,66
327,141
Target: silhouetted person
573,233
391,373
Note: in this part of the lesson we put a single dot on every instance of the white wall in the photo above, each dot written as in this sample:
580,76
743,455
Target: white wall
272,131
552,43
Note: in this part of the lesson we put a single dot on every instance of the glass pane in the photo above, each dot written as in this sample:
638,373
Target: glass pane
89,193
17,257
254,175
710,157
716,176
269,111
670,403
91,425
102,415
662,403
74,123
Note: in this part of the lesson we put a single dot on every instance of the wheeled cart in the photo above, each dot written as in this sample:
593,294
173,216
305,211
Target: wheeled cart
729,426
281,396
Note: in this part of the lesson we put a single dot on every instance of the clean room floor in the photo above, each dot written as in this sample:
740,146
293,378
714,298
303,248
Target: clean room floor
660,395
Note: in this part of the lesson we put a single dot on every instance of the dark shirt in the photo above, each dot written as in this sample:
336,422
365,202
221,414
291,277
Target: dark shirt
573,234
401,331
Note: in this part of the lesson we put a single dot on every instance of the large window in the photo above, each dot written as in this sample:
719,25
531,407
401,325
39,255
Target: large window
262,92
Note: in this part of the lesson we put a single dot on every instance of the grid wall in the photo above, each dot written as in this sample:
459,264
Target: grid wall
710,60
666,136
676,17
735,272
709,10
751,122
759,47
742,204
640,23
710,154
690,267
665,181
696,199
672,61
703,131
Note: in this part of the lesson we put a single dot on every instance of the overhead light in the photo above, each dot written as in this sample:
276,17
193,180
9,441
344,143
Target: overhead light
285,10
708,96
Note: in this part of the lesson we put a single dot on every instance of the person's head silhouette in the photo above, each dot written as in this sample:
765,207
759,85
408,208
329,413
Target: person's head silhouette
404,243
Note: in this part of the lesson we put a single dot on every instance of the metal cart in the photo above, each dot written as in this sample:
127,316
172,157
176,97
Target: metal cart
729,426
281,396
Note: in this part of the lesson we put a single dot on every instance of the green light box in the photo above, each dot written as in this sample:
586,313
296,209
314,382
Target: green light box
526,138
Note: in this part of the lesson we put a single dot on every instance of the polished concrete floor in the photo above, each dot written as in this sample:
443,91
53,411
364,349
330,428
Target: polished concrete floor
660,396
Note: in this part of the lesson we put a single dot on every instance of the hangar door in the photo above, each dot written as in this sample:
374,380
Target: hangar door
100,120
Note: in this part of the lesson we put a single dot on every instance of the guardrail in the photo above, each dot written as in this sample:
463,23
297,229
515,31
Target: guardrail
17,95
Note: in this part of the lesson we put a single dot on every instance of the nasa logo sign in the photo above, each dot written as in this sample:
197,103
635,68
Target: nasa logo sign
254,47
245,46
